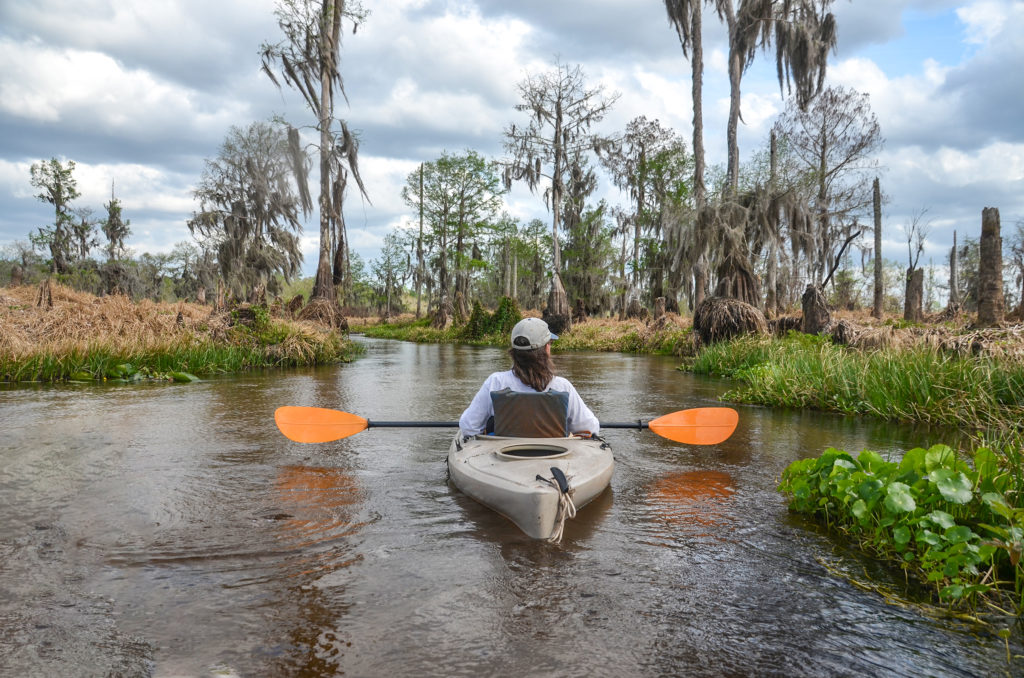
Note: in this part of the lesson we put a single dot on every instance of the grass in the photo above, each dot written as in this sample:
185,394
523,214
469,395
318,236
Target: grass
915,384
627,336
82,337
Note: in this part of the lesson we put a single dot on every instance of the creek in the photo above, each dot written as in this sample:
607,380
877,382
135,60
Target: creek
170,530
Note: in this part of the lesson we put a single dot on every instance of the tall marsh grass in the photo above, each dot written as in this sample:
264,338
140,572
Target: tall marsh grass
82,337
906,384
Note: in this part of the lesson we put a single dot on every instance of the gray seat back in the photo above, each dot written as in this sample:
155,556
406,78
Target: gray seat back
531,415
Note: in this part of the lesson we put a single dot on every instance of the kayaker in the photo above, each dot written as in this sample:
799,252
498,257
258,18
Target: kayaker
532,371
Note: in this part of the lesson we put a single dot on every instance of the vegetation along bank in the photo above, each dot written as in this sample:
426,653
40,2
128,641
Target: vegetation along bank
52,333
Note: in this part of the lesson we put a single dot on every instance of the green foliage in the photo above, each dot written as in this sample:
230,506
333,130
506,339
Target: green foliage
478,324
505,316
497,326
57,186
919,385
948,522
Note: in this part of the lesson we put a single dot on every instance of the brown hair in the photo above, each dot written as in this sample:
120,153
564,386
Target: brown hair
534,368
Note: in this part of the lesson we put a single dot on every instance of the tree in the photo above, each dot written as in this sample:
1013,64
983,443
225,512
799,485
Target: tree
990,270
459,196
391,269
650,163
687,18
804,32
115,227
954,279
835,139
916,231
250,211
83,233
309,59
58,187
968,259
588,259
1017,262
193,270
879,297
562,111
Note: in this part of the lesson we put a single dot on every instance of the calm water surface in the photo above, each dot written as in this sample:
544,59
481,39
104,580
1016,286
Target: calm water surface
170,530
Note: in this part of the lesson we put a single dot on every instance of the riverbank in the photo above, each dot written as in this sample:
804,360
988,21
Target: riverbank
672,335
74,336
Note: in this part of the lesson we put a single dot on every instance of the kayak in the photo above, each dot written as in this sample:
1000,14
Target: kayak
537,483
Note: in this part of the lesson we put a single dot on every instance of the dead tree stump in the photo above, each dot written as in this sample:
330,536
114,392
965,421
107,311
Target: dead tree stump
817,317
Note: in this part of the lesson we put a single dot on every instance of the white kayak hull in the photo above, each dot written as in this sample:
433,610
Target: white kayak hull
501,473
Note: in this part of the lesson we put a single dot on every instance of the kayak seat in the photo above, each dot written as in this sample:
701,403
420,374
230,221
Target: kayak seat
530,415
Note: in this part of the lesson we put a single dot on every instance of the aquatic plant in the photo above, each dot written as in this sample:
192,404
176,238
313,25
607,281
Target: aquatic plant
915,385
951,524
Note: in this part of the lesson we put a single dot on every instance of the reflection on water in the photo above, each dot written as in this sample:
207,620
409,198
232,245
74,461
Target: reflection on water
691,502
317,509
171,530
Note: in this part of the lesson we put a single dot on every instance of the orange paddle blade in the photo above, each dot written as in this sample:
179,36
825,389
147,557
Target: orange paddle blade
317,424
700,426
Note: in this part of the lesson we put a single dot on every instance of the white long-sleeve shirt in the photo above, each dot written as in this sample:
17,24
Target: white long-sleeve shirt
474,419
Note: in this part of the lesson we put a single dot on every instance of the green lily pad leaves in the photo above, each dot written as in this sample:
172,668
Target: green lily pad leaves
932,513
898,498
954,487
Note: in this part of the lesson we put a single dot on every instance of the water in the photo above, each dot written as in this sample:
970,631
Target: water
170,530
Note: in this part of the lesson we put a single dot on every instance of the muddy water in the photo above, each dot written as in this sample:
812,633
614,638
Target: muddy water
170,530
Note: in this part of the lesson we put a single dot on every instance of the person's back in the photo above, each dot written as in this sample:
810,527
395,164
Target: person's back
532,372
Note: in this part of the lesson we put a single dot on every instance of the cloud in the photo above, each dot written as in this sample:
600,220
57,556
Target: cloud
142,92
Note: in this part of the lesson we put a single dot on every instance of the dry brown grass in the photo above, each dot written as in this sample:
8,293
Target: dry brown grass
80,319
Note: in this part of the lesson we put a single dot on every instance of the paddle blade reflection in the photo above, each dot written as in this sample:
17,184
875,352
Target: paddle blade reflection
690,499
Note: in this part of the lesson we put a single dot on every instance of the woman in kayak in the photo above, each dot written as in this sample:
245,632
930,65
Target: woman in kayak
532,372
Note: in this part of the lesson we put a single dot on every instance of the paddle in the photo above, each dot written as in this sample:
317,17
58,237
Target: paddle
700,426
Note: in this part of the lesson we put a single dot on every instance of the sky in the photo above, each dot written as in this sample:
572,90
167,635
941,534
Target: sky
140,95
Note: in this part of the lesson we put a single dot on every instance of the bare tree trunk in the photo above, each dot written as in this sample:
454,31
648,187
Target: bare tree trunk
990,275
771,299
659,308
700,281
323,287
735,75
954,278
914,294
419,249
877,308
558,315
515,277
507,288
558,312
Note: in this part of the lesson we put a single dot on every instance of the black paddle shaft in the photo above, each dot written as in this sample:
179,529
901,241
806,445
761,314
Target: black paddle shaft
454,424
412,424
624,424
